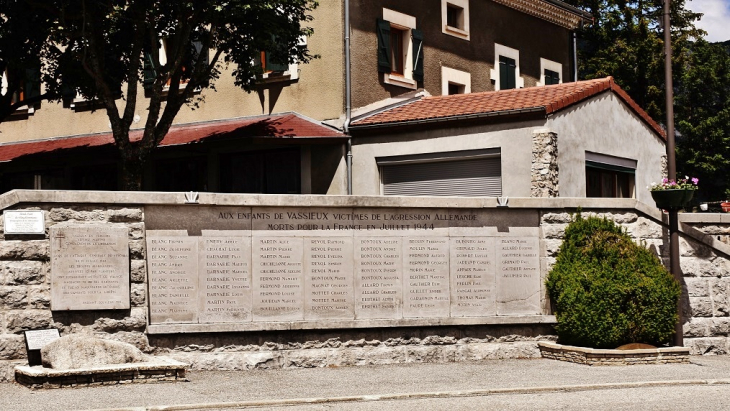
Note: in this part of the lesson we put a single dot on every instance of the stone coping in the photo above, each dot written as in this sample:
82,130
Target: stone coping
177,328
705,218
157,364
221,199
614,352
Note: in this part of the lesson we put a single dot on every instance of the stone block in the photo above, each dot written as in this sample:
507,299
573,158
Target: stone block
124,215
24,250
39,297
76,214
13,297
719,327
137,295
697,327
701,307
707,346
19,321
644,228
619,217
12,347
138,271
697,286
554,231
82,351
552,247
315,358
137,249
136,231
24,272
698,267
136,321
690,248
135,338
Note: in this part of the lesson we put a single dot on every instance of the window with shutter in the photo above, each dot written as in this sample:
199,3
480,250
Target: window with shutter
506,71
550,72
551,77
609,176
400,49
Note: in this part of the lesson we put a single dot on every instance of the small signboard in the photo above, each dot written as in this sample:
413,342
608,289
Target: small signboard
37,339
24,222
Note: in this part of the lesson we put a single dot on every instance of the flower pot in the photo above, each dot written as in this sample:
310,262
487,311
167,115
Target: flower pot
725,207
672,199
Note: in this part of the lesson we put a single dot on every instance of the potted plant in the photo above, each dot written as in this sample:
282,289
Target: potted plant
670,194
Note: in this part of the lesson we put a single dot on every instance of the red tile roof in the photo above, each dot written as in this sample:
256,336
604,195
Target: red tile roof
546,99
289,125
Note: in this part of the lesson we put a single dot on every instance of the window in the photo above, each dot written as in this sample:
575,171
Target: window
550,73
608,176
400,49
274,70
455,18
455,81
30,86
506,74
267,172
165,50
456,173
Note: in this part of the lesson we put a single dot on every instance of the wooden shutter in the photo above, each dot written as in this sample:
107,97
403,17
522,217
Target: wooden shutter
383,30
507,73
551,77
469,178
417,37
32,85
150,71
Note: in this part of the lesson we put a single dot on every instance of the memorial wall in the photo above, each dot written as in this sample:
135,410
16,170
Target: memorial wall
286,264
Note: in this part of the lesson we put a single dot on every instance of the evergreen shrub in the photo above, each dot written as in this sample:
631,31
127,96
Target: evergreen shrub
608,291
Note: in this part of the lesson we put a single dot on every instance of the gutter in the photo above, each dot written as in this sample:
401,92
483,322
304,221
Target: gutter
449,119
567,7
348,98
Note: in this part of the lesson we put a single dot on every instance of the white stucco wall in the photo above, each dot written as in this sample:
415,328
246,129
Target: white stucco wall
605,124
514,139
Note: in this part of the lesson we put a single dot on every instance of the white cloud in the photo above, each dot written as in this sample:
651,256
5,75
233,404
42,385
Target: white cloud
716,19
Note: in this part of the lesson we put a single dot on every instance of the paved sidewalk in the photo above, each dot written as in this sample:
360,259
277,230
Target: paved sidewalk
267,389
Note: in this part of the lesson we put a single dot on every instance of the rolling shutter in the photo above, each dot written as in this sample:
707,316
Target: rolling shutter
466,177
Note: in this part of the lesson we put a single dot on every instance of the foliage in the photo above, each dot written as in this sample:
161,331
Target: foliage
23,41
626,42
609,291
703,118
685,183
107,49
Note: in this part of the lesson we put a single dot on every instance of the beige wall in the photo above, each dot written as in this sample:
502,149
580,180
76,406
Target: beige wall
605,125
319,93
514,139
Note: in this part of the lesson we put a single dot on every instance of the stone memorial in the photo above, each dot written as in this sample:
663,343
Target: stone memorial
286,265
89,267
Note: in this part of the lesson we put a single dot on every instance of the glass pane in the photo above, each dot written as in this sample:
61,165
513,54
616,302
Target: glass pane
608,184
396,50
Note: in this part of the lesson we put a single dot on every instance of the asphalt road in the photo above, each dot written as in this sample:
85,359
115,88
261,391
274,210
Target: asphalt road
496,384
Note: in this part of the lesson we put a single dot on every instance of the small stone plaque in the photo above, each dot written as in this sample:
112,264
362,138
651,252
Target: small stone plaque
24,222
518,275
426,277
89,267
378,277
278,278
173,277
472,276
35,340
329,290
224,270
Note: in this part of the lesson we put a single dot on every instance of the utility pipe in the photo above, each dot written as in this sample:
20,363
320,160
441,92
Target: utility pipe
348,98
672,168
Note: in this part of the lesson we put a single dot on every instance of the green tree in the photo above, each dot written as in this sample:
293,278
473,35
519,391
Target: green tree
108,50
23,40
626,42
703,118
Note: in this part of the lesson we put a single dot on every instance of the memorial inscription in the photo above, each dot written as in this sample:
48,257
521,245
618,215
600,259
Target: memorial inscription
518,275
89,268
472,276
378,277
426,277
173,277
224,271
328,278
278,278
24,222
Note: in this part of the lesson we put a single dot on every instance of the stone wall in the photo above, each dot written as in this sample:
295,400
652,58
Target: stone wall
544,169
25,287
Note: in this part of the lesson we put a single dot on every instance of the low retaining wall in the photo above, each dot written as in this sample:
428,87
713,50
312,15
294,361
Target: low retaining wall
590,356
25,291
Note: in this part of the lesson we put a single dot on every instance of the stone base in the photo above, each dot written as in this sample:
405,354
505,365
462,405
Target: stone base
161,370
591,356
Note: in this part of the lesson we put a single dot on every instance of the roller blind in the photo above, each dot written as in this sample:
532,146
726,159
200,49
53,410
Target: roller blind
469,178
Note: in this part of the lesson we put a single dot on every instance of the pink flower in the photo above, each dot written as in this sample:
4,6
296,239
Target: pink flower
695,180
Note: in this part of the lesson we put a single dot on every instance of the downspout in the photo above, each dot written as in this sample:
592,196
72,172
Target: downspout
575,56
348,98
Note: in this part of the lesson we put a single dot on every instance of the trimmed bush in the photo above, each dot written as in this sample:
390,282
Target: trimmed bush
608,291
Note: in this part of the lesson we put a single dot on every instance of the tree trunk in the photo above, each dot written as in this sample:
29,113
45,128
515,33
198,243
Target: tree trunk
132,169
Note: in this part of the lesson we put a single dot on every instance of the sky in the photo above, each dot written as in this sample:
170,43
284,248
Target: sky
716,19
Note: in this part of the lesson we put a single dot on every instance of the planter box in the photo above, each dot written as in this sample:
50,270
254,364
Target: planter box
672,199
592,356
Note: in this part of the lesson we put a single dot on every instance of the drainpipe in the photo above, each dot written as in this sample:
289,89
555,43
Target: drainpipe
348,97
575,56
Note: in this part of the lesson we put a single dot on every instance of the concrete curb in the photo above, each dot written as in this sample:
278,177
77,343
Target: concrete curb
420,395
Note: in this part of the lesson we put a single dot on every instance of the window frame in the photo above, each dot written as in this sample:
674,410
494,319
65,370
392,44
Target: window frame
454,76
406,24
508,52
546,64
24,109
613,167
458,32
